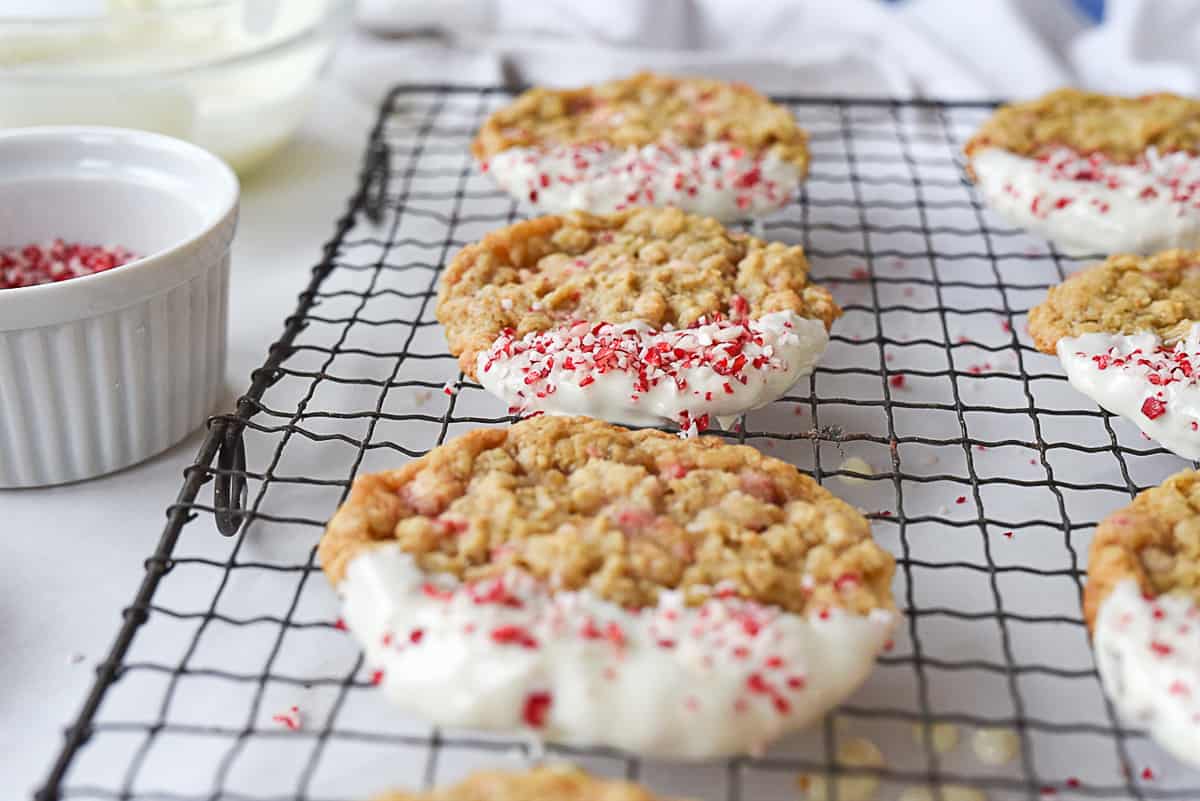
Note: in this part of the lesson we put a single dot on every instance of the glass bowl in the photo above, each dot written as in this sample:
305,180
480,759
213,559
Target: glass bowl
233,76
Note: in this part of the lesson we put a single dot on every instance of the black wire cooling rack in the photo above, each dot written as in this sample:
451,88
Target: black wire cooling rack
229,678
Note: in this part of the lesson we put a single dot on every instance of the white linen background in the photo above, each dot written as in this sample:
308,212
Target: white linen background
933,48
74,554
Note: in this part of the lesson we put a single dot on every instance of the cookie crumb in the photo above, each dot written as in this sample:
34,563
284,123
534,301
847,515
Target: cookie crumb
995,746
944,736
855,464
856,752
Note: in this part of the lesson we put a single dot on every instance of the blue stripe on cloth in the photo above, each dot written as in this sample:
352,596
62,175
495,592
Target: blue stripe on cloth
1092,9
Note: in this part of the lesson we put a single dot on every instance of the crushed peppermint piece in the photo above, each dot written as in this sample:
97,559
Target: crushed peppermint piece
1139,376
717,365
718,179
34,264
1147,649
1147,205
1153,408
290,720
536,709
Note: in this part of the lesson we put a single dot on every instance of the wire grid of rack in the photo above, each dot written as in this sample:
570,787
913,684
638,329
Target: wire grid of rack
989,475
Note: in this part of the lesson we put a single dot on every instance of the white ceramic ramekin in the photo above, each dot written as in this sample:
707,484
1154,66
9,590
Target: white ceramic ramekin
100,372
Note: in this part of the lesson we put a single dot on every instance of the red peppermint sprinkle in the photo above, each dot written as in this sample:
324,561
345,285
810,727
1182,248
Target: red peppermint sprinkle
846,581
1172,176
433,591
290,720
652,171
513,635
1161,648
757,684
1153,408
582,352
35,264
536,709
493,591
897,381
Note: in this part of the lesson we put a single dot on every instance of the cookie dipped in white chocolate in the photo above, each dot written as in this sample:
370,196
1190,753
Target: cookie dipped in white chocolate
1086,204
689,682
630,373
719,179
1148,656
1139,377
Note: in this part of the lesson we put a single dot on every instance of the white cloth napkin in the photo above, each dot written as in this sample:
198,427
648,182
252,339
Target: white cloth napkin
936,48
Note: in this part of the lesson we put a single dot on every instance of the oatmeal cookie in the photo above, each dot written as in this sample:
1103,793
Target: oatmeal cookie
636,317
706,146
600,586
556,783
1093,173
1128,334
1142,606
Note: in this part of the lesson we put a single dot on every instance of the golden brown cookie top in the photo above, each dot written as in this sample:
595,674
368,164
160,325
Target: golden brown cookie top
1121,128
1155,540
657,265
646,109
540,784
581,504
1123,295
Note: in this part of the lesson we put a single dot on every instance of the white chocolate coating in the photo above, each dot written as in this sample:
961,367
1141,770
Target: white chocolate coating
1148,656
718,180
632,374
1140,378
671,681
1088,205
